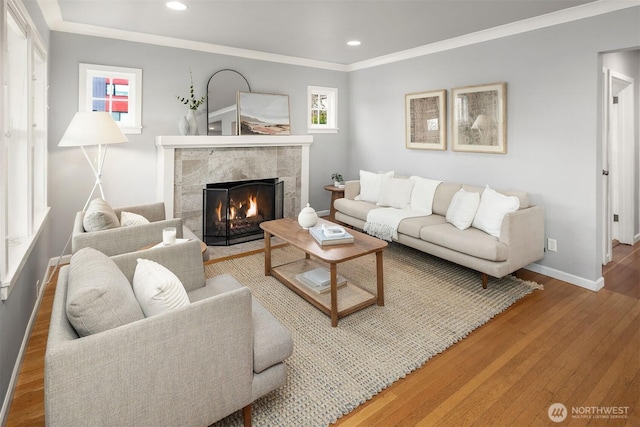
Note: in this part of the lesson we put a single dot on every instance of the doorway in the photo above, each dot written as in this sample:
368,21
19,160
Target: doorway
619,162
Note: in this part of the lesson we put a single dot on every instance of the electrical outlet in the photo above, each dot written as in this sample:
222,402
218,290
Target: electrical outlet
552,245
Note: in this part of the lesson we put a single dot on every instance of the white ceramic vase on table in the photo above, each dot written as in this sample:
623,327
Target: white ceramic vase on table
307,217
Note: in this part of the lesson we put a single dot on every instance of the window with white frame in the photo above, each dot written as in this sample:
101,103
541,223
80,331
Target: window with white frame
115,90
322,114
23,162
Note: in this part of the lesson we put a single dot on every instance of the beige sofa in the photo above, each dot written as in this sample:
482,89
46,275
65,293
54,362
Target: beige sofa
520,241
108,364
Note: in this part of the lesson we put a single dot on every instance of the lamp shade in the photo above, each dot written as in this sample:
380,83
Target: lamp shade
92,128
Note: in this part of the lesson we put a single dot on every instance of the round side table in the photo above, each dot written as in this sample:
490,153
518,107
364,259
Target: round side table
336,193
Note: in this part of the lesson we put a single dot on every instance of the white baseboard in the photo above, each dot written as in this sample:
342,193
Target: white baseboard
566,277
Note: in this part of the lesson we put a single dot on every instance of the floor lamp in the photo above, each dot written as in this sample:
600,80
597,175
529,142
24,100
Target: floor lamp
86,129
93,128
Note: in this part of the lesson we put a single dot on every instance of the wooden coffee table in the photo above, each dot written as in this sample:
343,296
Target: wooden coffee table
339,302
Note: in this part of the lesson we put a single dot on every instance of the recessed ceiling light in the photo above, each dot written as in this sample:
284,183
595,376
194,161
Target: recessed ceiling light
354,43
176,5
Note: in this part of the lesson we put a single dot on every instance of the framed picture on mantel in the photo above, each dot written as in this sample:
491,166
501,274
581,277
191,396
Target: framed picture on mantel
426,120
263,114
480,118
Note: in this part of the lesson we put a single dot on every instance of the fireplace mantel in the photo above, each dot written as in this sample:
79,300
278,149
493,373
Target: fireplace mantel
168,144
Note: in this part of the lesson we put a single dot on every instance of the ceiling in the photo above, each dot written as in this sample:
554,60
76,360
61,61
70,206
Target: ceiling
306,29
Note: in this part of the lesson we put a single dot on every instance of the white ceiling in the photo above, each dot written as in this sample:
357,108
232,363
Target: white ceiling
314,30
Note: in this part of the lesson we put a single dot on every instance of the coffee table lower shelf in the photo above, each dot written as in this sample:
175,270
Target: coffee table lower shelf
351,297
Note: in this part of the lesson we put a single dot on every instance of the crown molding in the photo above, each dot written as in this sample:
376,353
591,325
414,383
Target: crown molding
556,18
53,17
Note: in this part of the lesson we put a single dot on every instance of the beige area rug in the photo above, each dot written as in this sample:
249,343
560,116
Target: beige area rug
430,304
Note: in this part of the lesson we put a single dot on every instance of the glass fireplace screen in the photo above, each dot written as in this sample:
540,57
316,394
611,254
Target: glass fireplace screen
233,211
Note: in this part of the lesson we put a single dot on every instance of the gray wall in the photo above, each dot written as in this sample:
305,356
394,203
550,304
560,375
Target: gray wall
130,169
17,310
553,136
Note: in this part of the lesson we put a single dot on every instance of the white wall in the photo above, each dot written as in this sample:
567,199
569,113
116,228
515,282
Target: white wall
130,169
553,135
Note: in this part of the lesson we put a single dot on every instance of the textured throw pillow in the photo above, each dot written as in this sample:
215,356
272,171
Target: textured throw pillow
99,296
395,192
493,207
99,216
370,185
157,289
129,218
422,195
463,208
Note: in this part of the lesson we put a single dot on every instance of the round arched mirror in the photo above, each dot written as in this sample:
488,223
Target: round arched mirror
222,91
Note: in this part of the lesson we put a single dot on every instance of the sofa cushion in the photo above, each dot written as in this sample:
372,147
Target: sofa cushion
463,208
99,296
157,289
412,226
442,197
471,241
370,185
99,216
423,193
355,208
395,192
129,218
493,207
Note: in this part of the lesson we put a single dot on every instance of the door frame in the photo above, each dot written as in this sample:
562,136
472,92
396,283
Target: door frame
625,159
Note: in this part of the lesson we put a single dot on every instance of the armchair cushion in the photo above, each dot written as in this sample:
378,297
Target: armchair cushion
100,216
157,289
129,218
99,295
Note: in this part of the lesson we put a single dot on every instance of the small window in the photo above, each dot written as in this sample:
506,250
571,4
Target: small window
323,109
115,90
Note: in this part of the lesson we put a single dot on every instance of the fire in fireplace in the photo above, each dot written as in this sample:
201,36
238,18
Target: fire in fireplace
233,211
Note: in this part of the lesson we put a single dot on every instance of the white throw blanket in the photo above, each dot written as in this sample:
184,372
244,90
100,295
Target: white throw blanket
383,222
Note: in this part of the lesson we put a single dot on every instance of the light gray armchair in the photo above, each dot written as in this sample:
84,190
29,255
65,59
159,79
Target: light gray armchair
190,366
120,240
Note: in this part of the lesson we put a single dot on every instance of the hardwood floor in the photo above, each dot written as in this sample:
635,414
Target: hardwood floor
562,345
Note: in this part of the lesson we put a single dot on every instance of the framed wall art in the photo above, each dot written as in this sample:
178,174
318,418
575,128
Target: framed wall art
263,114
479,122
426,120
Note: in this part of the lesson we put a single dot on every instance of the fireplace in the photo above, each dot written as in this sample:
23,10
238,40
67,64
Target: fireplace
233,211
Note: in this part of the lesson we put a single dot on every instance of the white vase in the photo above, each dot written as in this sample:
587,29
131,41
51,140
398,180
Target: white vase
307,217
193,124
183,126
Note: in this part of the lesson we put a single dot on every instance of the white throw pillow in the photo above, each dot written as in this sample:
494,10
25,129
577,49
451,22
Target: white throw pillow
493,207
157,289
395,192
463,208
422,195
129,218
370,185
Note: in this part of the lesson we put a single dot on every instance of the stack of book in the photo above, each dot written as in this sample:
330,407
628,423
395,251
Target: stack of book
319,280
330,235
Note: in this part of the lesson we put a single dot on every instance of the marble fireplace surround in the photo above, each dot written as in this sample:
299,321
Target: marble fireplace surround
187,163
